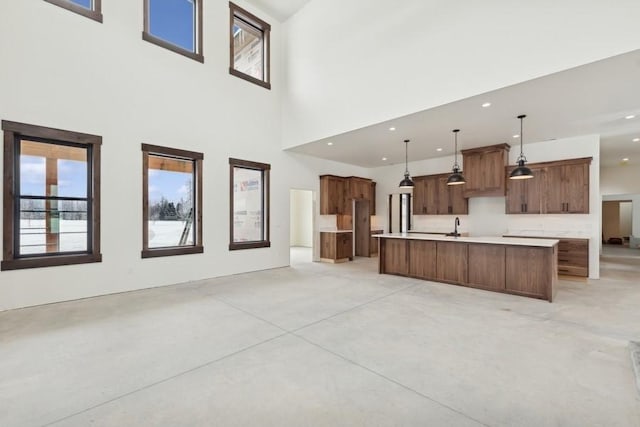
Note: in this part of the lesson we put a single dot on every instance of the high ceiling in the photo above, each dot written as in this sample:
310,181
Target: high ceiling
281,9
590,99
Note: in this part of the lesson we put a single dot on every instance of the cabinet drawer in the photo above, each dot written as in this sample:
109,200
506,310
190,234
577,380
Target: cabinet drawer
572,270
573,259
573,246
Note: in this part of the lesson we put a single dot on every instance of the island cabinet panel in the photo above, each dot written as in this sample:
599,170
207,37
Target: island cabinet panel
422,259
452,262
483,169
487,266
393,257
524,196
528,272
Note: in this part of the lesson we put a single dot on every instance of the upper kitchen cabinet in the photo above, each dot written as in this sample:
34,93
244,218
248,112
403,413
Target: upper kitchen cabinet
425,195
568,186
558,187
451,200
332,195
524,196
483,169
336,193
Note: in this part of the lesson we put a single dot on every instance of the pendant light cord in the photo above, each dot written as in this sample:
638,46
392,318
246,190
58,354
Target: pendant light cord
521,157
406,157
456,166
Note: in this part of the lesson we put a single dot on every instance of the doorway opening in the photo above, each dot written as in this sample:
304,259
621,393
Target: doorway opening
301,226
620,228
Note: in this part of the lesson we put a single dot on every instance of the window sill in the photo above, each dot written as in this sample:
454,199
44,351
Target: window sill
248,245
243,76
165,44
160,252
66,4
51,261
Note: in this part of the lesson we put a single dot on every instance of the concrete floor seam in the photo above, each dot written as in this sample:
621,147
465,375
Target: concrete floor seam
391,380
164,380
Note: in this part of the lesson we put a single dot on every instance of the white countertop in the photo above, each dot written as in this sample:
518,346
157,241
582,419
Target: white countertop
546,243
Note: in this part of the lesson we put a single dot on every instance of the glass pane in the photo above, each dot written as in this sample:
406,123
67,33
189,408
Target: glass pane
52,226
171,202
84,3
52,170
174,21
248,218
248,49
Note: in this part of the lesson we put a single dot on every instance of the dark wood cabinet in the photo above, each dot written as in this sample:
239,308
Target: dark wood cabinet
568,188
487,266
526,270
332,195
483,169
336,247
336,193
452,262
573,257
422,259
559,187
394,257
525,196
432,196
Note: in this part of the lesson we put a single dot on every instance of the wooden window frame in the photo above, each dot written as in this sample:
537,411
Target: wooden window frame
265,168
197,247
197,54
95,13
251,19
15,132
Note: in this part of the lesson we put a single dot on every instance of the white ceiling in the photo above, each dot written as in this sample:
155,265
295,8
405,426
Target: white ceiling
281,9
593,98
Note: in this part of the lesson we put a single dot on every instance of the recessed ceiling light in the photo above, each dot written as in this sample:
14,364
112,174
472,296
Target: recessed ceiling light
384,159
630,116
486,104
516,136
438,149
329,143
636,139
392,129
626,159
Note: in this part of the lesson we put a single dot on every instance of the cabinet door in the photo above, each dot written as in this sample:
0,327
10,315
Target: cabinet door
527,270
422,259
576,188
472,169
328,245
331,195
493,171
394,252
487,266
344,245
516,189
459,204
533,191
419,197
554,184
451,262
444,204
372,197
431,195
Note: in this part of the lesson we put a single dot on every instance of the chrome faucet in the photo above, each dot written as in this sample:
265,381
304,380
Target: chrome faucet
456,223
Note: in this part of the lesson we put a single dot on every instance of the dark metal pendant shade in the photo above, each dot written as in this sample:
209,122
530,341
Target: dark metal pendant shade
521,172
407,182
456,178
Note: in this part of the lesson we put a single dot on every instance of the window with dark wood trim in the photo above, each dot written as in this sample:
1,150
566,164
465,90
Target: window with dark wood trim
175,25
249,204
51,197
90,8
249,47
171,201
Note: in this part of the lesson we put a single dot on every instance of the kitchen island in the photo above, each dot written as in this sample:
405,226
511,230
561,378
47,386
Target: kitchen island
519,266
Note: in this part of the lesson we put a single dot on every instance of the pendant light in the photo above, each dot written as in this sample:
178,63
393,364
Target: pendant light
407,182
521,172
456,177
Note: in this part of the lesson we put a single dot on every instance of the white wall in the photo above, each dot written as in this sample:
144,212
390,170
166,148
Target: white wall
301,218
487,214
73,73
355,63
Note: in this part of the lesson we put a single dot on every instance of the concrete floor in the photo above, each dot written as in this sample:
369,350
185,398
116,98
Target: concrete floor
327,345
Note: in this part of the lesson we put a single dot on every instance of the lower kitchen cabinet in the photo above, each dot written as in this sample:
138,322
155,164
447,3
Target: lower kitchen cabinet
394,257
422,259
527,271
487,266
452,262
573,257
336,247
